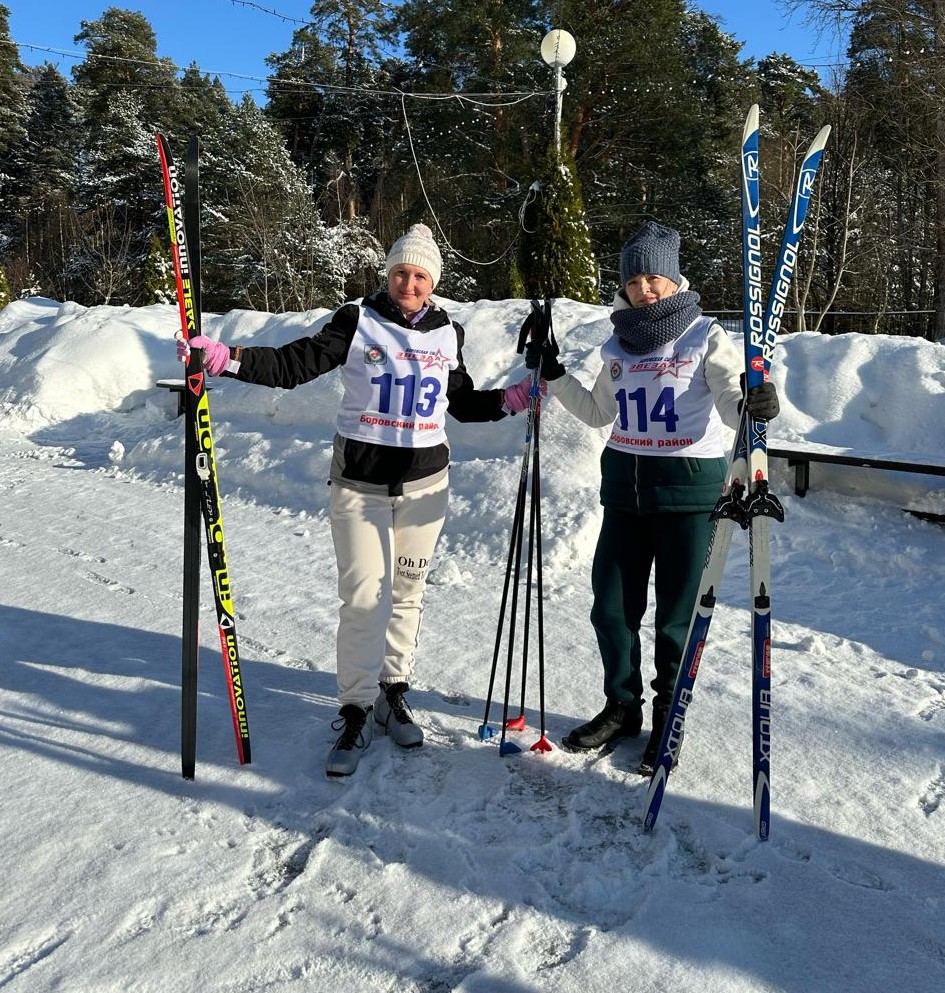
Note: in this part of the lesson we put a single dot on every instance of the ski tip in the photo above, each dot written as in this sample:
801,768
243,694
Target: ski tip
751,121
508,748
817,145
486,732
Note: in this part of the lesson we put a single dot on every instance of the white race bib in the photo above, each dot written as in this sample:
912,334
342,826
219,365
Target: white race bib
664,406
395,382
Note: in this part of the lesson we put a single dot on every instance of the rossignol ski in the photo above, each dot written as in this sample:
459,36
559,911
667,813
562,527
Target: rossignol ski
761,506
746,501
183,219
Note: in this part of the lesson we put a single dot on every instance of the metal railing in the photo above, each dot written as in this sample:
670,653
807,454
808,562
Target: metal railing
911,323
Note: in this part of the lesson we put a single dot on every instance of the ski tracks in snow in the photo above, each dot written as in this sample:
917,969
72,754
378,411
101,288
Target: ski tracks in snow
551,882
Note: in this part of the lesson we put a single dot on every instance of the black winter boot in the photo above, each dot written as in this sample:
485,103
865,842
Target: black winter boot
652,751
617,720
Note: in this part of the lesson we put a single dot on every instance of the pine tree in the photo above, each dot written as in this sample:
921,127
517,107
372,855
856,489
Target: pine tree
341,130
266,245
475,156
122,57
12,97
12,130
4,289
199,105
124,92
159,279
45,207
296,96
556,259
652,113
896,85
117,205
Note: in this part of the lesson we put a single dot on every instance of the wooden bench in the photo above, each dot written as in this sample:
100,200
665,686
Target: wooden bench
801,456
177,386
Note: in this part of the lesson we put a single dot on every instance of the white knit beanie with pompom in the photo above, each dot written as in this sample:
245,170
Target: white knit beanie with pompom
418,248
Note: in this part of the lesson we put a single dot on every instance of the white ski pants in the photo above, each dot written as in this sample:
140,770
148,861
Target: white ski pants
383,546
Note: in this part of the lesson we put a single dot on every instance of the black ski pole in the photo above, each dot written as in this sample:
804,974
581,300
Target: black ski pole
534,552
535,327
190,647
539,333
542,745
518,723
486,731
508,747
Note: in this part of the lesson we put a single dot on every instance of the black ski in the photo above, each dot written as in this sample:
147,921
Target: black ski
190,636
183,208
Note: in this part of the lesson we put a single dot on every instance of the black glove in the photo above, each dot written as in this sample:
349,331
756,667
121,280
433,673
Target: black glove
762,402
543,355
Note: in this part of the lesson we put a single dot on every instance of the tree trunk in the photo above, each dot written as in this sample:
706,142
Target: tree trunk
937,331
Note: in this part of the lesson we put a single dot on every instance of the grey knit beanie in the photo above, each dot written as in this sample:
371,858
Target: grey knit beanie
418,248
651,250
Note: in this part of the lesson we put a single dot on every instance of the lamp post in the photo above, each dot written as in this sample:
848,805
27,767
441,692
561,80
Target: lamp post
557,49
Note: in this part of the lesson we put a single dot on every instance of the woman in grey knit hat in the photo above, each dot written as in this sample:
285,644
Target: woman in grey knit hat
669,379
401,364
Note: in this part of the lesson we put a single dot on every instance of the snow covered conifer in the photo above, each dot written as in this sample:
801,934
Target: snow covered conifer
556,258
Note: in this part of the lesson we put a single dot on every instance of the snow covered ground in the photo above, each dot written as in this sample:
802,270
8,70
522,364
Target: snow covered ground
450,868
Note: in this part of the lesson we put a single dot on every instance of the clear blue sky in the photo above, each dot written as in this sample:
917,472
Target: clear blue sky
236,37
764,27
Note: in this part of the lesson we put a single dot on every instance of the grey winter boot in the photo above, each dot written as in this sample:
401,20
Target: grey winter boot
356,729
393,716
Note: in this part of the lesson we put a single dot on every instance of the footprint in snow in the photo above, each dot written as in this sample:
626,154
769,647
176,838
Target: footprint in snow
931,800
110,584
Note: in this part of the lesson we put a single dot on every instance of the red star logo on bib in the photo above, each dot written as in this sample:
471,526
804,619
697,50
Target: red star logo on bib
437,359
426,359
670,367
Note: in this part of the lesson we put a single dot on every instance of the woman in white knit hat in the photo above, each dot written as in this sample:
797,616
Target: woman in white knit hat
402,367
669,378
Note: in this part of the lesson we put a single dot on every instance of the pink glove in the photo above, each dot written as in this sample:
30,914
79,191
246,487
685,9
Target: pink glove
516,397
216,355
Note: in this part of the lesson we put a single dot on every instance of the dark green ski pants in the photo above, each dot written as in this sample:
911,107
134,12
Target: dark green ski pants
628,548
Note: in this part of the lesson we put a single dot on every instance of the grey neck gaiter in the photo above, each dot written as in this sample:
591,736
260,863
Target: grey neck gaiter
645,329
